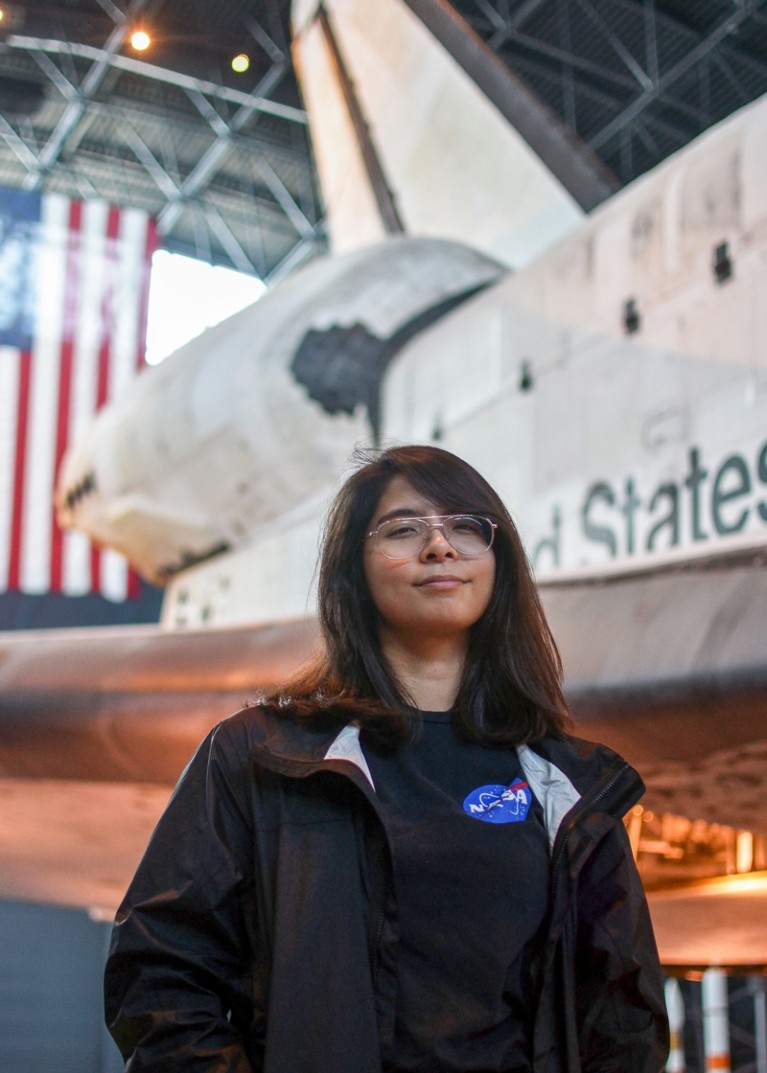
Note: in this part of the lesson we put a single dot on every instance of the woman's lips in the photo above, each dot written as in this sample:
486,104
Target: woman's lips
441,581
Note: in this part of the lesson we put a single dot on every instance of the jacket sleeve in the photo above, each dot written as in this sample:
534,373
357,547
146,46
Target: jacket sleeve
619,998
177,975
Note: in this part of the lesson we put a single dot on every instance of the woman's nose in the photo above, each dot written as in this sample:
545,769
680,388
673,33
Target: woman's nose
437,546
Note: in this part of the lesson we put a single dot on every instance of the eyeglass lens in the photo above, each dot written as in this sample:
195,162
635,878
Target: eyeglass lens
402,538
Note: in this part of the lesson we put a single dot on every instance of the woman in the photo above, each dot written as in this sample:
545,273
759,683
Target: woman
402,862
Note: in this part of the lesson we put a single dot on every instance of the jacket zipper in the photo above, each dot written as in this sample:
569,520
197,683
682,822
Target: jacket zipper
584,806
376,945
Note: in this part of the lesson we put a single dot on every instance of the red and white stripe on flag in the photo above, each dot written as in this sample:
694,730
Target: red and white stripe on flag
72,336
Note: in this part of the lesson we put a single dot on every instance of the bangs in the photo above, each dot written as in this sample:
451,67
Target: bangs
449,482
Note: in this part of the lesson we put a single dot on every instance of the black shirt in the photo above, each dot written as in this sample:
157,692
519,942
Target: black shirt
471,868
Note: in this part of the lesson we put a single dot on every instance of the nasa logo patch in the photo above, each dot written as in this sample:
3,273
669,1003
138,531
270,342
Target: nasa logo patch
499,804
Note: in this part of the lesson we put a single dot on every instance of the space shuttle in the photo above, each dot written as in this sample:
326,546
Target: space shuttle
599,355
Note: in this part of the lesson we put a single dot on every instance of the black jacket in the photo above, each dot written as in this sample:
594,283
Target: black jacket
259,934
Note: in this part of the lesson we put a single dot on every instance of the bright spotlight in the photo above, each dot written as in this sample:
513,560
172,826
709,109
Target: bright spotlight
140,40
240,63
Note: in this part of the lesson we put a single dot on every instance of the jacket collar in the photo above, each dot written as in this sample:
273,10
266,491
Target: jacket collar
346,746
565,776
551,787
573,777
296,751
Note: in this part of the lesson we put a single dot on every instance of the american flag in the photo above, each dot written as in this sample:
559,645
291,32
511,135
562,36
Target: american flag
74,280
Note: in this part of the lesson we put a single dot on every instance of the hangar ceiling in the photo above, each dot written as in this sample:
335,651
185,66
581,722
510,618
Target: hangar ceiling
634,79
224,160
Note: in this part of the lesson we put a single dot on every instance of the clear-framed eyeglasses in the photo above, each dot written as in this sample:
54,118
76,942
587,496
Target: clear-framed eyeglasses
404,538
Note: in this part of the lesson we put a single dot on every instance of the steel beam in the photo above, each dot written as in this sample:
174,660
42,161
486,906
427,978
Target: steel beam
161,74
76,109
234,250
704,48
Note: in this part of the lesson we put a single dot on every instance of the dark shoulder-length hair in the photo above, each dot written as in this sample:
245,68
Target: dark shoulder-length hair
510,691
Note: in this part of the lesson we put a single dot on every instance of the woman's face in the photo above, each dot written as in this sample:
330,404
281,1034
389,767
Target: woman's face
437,593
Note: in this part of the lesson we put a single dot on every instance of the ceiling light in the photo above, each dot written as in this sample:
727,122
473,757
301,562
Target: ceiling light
240,63
140,40
11,17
